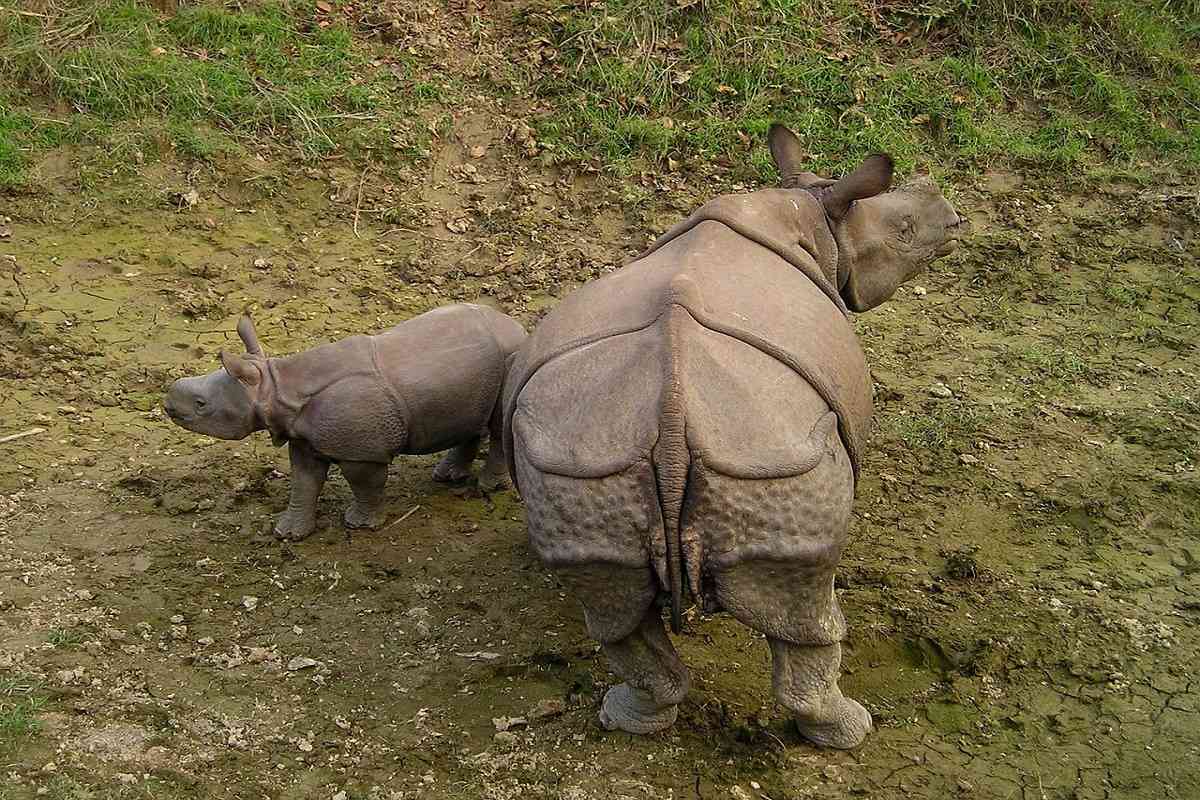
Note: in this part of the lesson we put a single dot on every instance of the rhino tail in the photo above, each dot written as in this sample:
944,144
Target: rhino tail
672,464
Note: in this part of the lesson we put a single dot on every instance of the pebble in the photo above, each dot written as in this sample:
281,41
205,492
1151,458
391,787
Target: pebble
941,390
920,291
302,662
250,602
177,619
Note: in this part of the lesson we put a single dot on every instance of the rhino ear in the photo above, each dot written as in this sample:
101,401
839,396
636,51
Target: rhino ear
873,176
867,288
242,368
249,336
788,155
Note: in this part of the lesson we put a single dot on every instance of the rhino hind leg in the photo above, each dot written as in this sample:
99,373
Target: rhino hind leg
806,683
494,475
455,466
367,480
655,680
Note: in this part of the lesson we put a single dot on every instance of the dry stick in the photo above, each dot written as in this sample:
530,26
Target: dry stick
12,437
358,202
407,514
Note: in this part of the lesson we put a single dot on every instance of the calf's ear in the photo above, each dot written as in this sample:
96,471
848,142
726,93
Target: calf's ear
242,368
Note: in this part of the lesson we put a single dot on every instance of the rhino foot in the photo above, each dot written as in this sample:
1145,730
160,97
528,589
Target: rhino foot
451,473
492,482
634,711
358,517
293,528
843,729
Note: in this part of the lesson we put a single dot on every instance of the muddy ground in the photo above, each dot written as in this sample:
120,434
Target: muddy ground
1021,586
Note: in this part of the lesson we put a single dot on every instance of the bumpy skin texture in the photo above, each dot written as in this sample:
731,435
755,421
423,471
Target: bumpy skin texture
691,427
429,384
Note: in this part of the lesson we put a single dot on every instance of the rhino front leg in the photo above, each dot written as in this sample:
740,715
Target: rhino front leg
805,682
308,476
456,464
367,480
655,679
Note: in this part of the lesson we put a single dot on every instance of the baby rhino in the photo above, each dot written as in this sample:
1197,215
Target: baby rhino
429,384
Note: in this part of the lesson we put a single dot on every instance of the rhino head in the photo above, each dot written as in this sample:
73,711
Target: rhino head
885,236
222,403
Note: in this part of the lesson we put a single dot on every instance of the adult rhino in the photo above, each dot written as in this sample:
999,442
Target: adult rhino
694,422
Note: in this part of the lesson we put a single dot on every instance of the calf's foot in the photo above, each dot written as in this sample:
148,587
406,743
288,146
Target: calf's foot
455,466
358,516
842,726
292,526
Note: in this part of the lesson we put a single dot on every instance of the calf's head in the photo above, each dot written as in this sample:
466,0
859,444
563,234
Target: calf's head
222,403
885,236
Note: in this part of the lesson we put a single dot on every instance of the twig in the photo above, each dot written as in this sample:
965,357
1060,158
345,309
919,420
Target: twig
407,514
358,203
12,437
418,233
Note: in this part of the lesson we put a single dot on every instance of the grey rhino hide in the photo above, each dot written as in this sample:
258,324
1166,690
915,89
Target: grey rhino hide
695,421
429,384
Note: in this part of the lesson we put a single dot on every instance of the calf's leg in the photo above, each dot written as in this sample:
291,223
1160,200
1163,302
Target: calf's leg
494,475
456,464
367,480
308,476
806,683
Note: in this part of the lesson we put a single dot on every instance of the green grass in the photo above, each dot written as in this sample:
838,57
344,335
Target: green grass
19,704
1063,83
200,84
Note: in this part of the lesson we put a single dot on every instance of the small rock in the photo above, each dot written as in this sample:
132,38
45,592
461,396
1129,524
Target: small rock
261,263
339,796
506,739
967,458
68,410
178,502
547,708
302,662
177,619
250,602
478,151
84,594
419,612
738,793
941,390
205,641
126,778
920,291
304,746
508,723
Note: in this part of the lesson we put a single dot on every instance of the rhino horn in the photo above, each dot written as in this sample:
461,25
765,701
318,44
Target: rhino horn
873,176
249,336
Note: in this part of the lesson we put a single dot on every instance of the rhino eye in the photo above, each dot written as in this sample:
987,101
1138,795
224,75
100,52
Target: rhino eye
200,402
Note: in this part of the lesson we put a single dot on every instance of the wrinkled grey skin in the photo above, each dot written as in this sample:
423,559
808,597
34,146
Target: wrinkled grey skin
429,384
691,427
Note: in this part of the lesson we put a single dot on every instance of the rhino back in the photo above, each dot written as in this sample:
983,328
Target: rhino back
732,288
445,368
